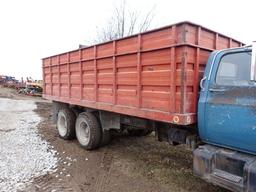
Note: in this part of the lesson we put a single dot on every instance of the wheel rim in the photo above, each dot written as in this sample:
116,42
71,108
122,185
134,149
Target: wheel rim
62,125
83,133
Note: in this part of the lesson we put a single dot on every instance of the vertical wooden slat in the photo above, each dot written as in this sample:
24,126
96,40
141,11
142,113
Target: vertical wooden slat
230,43
198,39
95,74
50,65
68,65
114,74
184,33
172,81
139,99
183,71
183,80
173,74
43,75
59,76
81,74
196,70
216,41
196,80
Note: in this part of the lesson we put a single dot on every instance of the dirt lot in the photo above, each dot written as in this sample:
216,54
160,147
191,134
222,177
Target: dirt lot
126,164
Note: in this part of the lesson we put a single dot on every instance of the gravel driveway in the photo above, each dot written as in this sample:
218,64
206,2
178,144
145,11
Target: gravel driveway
29,163
24,155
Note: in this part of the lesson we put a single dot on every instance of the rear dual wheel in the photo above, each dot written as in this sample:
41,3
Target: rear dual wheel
85,127
89,132
66,123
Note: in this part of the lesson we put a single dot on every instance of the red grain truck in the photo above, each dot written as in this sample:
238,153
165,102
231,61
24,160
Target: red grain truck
150,81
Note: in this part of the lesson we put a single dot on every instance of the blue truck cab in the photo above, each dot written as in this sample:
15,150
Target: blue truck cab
227,120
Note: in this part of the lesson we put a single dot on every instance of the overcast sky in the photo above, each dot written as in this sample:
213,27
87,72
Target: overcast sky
33,29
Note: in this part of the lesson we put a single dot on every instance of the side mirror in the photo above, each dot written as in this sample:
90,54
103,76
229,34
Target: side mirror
253,62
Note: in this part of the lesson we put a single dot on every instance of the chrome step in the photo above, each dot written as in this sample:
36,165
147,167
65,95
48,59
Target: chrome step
224,175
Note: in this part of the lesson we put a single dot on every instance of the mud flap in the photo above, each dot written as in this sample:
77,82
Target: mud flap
232,170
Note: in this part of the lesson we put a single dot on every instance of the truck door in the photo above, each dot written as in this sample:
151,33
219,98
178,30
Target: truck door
229,104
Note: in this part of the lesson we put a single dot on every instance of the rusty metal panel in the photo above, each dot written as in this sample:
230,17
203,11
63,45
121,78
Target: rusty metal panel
153,75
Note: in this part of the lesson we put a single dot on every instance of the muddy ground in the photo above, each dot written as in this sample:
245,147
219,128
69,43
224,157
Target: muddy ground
127,164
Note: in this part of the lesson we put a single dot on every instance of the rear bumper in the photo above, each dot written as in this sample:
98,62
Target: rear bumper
230,169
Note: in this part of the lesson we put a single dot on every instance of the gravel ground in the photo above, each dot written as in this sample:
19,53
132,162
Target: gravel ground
127,164
24,155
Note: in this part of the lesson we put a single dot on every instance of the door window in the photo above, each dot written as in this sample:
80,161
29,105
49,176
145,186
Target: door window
234,69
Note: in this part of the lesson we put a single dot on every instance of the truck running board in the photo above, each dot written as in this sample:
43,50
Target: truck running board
219,174
233,170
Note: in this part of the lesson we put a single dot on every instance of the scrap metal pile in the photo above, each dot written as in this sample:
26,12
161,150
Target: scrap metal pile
29,87
9,81
32,88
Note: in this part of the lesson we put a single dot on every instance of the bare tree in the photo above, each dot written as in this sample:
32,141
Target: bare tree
124,22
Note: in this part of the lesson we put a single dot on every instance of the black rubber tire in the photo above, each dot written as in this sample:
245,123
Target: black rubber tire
95,132
68,117
106,138
139,132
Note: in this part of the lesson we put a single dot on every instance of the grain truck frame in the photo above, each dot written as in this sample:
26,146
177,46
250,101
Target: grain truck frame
150,81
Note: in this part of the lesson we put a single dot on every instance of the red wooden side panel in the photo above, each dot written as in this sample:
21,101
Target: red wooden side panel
128,45
158,39
105,79
75,79
197,35
201,42
126,80
88,79
152,75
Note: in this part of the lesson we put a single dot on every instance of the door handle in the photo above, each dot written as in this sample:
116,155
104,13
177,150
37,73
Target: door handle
217,90
202,83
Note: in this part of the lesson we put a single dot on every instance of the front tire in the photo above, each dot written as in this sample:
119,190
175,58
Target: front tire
66,124
88,131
